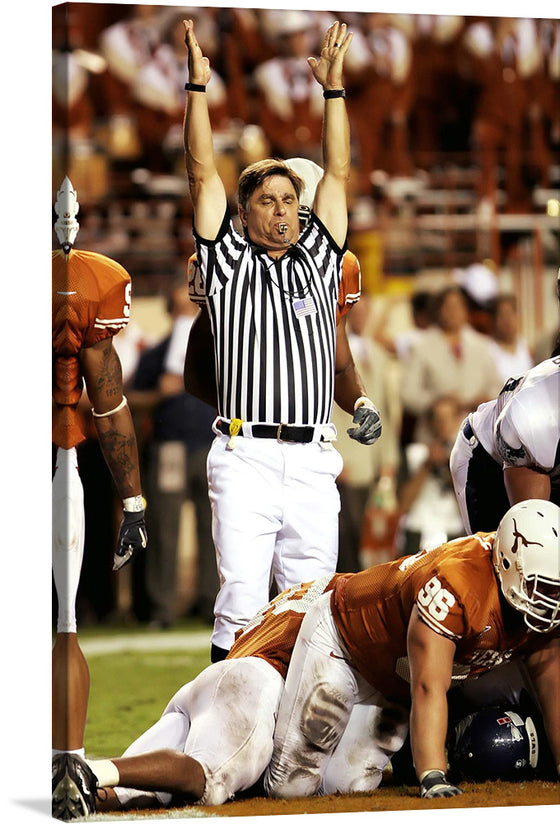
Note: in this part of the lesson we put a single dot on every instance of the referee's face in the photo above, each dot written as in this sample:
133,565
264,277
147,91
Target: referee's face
271,218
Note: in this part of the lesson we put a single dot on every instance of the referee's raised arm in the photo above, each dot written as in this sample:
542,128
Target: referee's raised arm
205,185
330,203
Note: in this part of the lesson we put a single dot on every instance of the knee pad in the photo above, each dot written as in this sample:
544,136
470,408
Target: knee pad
324,716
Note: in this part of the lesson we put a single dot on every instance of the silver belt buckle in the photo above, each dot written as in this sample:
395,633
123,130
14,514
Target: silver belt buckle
279,432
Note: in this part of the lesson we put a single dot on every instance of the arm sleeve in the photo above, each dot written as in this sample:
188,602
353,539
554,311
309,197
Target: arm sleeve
350,285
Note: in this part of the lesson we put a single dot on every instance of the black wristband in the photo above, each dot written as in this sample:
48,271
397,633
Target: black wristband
328,94
194,87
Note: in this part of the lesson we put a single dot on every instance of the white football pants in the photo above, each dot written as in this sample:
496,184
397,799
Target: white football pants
225,720
68,530
274,517
335,732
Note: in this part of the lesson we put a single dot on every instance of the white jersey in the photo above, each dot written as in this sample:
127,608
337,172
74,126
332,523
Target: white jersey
521,427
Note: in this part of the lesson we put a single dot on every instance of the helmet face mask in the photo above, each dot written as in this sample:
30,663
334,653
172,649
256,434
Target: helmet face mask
527,562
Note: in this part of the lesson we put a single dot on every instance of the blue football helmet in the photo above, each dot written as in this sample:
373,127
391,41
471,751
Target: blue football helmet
494,743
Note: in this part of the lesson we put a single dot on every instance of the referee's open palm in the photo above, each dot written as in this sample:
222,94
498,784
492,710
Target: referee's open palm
199,66
327,70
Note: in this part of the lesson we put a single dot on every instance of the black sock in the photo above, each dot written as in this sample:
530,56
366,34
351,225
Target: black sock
217,653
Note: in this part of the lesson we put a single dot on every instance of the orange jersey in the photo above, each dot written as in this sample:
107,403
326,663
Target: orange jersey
348,293
273,631
90,302
457,595
350,285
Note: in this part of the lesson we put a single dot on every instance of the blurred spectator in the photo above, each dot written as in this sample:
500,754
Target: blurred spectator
76,76
127,46
76,72
378,78
158,89
132,341
544,105
440,116
244,48
73,111
480,287
290,102
503,54
547,345
175,469
361,472
451,358
430,514
508,348
401,343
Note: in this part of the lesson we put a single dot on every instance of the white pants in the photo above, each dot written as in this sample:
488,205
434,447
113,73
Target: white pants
225,720
274,517
68,531
335,732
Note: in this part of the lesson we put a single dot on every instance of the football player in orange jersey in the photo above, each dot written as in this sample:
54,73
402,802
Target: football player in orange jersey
362,652
396,636
90,304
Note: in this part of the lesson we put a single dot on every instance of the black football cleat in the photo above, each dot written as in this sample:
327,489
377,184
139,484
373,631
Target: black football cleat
74,788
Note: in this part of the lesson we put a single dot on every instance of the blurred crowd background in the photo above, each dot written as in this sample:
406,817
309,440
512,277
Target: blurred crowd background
454,216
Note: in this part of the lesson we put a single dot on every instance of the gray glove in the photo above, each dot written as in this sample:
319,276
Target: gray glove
369,427
434,784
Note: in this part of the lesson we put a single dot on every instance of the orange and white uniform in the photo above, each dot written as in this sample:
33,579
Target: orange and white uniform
344,711
90,302
272,633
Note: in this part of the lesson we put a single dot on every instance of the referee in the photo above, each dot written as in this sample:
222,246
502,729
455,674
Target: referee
271,297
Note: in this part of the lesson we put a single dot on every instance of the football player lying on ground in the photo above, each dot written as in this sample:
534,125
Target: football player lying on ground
373,650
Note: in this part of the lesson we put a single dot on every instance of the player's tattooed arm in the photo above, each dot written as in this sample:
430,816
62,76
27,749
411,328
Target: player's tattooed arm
102,373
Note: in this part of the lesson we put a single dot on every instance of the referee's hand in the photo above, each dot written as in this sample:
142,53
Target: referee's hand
368,420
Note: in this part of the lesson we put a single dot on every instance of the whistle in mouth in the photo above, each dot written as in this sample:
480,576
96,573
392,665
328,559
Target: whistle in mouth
282,228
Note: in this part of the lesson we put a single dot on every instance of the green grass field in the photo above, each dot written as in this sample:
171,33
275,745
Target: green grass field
132,683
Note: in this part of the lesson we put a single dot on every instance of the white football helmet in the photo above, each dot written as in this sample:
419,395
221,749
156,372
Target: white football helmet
311,174
527,561
66,208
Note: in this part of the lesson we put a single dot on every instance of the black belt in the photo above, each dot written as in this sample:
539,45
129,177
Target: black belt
282,432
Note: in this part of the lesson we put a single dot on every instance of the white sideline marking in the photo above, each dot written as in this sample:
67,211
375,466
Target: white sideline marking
146,641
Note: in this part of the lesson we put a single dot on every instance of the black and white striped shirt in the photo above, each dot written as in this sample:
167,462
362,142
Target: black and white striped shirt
274,324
